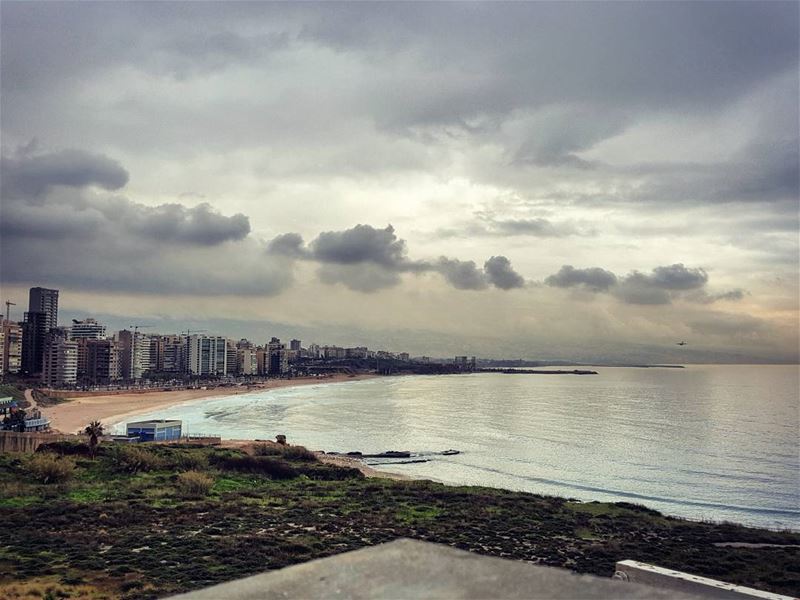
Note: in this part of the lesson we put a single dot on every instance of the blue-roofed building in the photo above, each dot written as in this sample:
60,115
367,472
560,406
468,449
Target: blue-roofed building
157,430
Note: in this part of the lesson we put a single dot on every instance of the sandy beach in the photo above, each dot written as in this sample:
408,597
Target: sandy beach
75,414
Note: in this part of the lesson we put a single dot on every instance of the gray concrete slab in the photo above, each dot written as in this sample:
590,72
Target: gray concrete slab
408,569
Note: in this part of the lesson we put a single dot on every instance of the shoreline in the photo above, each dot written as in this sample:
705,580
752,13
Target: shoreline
75,413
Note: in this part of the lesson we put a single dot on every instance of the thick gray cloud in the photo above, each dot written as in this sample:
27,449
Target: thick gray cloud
595,278
501,274
57,227
462,274
661,286
288,244
368,259
362,243
29,207
200,225
30,176
676,277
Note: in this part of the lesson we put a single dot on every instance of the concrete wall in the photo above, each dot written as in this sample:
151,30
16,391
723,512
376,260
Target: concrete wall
14,441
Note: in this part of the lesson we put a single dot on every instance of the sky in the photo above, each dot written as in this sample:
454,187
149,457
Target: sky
576,181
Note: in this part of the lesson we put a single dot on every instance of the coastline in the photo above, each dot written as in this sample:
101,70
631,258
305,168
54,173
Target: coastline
75,413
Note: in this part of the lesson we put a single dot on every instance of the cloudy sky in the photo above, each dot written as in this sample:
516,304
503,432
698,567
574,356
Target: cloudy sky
525,180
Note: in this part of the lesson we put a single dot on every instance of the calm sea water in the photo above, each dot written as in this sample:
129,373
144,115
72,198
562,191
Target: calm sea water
704,442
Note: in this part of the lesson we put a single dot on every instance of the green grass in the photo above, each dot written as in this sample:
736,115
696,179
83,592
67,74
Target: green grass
85,531
19,501
418,514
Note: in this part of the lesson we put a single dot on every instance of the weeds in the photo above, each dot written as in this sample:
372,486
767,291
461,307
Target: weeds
133,459
49,468
194,484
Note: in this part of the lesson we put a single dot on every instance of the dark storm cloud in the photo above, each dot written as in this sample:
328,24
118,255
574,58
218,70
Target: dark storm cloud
595,278
288,244
362,243
501,274
58,225
677,277
29,207
32,176
368,259
462,274
626,54
661,286
200,225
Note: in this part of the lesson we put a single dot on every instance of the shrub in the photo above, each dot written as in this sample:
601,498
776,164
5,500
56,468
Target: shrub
299,453
49,468
65,448
290,452
133,459
191,461
266,450
276,469
330,473
194,484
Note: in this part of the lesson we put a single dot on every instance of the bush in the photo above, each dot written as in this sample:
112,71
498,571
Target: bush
65,448
49,468
275,469
191,461
133,459
266,450
330,473
194,484
290,452
299,453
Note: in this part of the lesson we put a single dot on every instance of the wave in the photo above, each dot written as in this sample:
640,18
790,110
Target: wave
793,514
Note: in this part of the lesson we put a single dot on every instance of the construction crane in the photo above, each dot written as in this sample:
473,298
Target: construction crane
9,304
136,328
190,331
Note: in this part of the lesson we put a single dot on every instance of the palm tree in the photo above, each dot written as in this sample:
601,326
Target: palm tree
94,430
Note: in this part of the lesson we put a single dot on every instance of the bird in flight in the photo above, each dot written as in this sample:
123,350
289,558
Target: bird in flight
681,344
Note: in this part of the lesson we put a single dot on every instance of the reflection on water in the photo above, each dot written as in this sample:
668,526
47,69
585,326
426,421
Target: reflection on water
714,442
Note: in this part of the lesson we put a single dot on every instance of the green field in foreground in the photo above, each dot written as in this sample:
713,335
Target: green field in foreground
146,521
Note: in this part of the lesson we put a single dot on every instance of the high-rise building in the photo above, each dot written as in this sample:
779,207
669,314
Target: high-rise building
231,363
60,359
102,361
174,354
134,354
207,355
34,330
11,347
278,357
294,345
262,361
87,329
247,361
45,301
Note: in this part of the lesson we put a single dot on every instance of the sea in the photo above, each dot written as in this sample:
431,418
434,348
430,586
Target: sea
705,442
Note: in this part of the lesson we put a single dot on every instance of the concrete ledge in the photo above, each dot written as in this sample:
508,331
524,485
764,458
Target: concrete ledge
667,579
410,570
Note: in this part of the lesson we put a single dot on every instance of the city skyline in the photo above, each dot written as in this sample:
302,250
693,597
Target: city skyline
607,181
